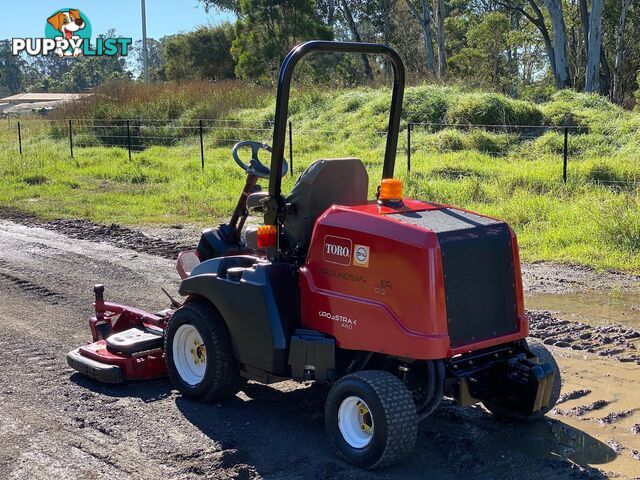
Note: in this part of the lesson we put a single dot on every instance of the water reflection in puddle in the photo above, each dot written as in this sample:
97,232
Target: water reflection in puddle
593,308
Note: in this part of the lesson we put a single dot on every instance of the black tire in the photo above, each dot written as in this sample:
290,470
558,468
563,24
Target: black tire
222,375
544,356
395,422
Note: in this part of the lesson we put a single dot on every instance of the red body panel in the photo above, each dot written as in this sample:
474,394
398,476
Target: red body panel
141,367
376,284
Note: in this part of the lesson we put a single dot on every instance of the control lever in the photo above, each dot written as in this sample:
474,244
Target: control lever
174,303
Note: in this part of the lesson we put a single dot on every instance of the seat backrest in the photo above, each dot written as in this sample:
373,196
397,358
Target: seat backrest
341,181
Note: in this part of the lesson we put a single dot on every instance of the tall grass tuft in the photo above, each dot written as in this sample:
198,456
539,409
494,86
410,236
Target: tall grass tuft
165,101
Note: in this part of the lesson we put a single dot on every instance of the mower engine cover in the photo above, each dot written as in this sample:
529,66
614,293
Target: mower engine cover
422,281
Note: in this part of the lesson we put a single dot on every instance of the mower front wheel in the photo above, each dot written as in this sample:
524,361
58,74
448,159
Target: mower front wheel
371,419
198,353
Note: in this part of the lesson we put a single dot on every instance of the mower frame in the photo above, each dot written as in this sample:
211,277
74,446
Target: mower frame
275,207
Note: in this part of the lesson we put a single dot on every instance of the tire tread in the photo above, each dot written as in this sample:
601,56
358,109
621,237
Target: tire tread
225,381
400,414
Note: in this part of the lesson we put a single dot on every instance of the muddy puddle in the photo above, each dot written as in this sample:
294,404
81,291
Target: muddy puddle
597,420
593,308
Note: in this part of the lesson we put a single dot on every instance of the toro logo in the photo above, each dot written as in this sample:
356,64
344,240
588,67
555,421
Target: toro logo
337,250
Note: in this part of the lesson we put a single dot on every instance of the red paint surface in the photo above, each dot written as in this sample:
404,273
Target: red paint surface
396,305
146,365
143,367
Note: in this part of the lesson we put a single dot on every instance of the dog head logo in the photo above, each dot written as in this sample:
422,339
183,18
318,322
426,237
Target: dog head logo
67,22
71,25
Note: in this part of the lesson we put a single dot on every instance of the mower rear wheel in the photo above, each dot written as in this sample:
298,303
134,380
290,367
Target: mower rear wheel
371,419
198,353
499,410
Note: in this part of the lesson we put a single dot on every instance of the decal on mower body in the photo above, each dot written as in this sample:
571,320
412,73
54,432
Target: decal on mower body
337,250
351,277
343,321
361,256
341,251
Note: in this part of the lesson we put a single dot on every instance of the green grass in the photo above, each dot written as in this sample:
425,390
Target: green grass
594,220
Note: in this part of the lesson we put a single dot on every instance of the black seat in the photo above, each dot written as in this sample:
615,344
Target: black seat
341,181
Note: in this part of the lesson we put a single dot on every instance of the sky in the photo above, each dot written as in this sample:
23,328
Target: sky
164,17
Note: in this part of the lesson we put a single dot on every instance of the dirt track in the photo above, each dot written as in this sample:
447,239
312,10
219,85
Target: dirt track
56,424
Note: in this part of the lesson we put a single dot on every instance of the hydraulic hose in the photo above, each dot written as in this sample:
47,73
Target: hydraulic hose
433,402
429,388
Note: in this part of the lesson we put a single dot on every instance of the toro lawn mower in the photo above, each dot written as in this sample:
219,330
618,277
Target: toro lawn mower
394,302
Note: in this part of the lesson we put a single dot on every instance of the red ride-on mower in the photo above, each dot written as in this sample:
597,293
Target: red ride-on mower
394,302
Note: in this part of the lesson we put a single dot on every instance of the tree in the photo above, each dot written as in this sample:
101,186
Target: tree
51,73
485,62
204,54
232,6
90,72
11,69
554,7
385,8
44,73
439,15
592,81
620,52
86,73
267,29
155,50
353,27
422,14
552,43
408,40
532,12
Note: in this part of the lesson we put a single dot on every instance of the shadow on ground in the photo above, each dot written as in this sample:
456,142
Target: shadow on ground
281,435
147,391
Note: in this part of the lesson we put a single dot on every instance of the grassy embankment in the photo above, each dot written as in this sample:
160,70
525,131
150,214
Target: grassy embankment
595,220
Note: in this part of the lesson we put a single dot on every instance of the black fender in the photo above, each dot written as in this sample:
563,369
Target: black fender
258,303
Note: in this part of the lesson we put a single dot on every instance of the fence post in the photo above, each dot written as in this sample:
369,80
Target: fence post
201,146
70,138
19,138
290,148
409,147
565,154
129,138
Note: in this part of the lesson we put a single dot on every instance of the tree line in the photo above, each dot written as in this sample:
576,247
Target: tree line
524,48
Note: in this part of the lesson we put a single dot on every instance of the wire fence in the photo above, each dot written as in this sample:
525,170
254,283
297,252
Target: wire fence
137,135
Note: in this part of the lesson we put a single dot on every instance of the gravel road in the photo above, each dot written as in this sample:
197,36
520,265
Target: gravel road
56,424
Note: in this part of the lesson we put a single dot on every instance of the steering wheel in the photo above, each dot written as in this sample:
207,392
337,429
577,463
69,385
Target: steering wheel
255,166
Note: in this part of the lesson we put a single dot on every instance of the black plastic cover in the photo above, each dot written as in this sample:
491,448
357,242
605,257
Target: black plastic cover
340,181
312,356
259,307
445,220
92,369
212,244
477,262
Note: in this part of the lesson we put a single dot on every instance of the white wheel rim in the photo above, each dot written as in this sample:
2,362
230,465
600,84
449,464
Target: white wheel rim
355,422
189,354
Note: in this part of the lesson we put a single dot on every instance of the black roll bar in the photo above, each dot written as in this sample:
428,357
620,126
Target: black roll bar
282,104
